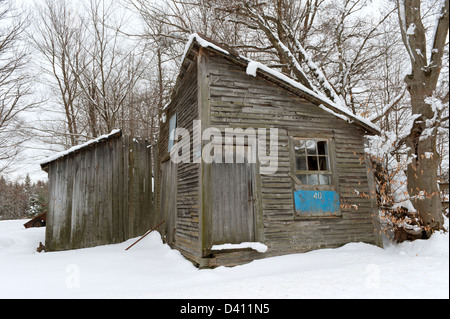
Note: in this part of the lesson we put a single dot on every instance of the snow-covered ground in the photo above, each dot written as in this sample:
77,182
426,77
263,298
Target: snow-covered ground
151,269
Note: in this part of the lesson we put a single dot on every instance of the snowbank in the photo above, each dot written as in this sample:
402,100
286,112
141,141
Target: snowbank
151,269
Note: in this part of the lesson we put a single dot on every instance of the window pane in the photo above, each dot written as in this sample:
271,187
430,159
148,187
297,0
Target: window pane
311,147
313,180
303,179
322,148
324,179
172,127
301,163
312,163
299,146
323,163
312,156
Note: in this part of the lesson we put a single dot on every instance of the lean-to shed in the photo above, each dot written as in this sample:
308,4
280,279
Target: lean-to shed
100,193
320,194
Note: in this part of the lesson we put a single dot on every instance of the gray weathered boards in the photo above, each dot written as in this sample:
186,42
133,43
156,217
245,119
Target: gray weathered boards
99,194
322,193
233,219
234,203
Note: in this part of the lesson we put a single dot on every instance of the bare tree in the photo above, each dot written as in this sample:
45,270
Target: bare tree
165,30
95,67
58,37
113,68
426,64
351,48
284,25
15,86
278,33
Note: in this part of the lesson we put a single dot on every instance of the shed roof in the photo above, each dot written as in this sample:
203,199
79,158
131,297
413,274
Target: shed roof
254,68
114,133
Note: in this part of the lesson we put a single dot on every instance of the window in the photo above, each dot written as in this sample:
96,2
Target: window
315,190
312,161
172,127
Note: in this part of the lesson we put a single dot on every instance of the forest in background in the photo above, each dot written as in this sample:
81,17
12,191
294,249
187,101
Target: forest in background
73,70
20,200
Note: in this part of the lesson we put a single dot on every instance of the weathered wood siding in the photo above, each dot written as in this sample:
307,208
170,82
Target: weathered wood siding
99,195
240,100
233,219
186,227
168,204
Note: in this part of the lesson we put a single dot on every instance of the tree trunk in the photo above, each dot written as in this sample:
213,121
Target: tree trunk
422,172
421,84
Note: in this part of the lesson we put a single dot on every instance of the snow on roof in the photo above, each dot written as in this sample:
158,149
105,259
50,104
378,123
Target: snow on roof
78,147
203,43
253,66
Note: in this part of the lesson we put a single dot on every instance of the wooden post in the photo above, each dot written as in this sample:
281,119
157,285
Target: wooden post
205,181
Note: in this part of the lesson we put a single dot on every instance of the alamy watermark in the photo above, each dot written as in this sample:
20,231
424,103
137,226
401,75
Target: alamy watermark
233,145
73,276
373,276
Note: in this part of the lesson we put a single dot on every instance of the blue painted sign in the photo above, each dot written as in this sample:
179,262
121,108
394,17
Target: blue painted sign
311,202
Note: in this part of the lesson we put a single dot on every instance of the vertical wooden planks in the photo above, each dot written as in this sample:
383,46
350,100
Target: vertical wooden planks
125,183
66,207
51,208
89,213
233,219
131,190
99,194
115,211
168,202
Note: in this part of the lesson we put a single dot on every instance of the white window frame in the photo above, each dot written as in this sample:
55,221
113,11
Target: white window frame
172,127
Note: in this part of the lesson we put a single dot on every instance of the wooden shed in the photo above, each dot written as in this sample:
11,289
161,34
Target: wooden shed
321,194
100,193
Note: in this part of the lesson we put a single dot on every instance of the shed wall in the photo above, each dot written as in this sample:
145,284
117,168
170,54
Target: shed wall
240,100
186,231
99,195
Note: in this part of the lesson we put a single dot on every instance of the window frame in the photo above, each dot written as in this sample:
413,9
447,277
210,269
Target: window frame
328,171
334,178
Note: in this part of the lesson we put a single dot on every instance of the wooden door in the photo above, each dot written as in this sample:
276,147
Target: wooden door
168,199
233,203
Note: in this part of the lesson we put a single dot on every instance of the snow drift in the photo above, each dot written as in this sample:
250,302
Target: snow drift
151,269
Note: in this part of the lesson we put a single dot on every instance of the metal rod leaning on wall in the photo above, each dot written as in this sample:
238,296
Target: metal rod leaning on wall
154,228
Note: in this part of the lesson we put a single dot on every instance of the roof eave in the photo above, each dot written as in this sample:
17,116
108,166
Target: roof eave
76,149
